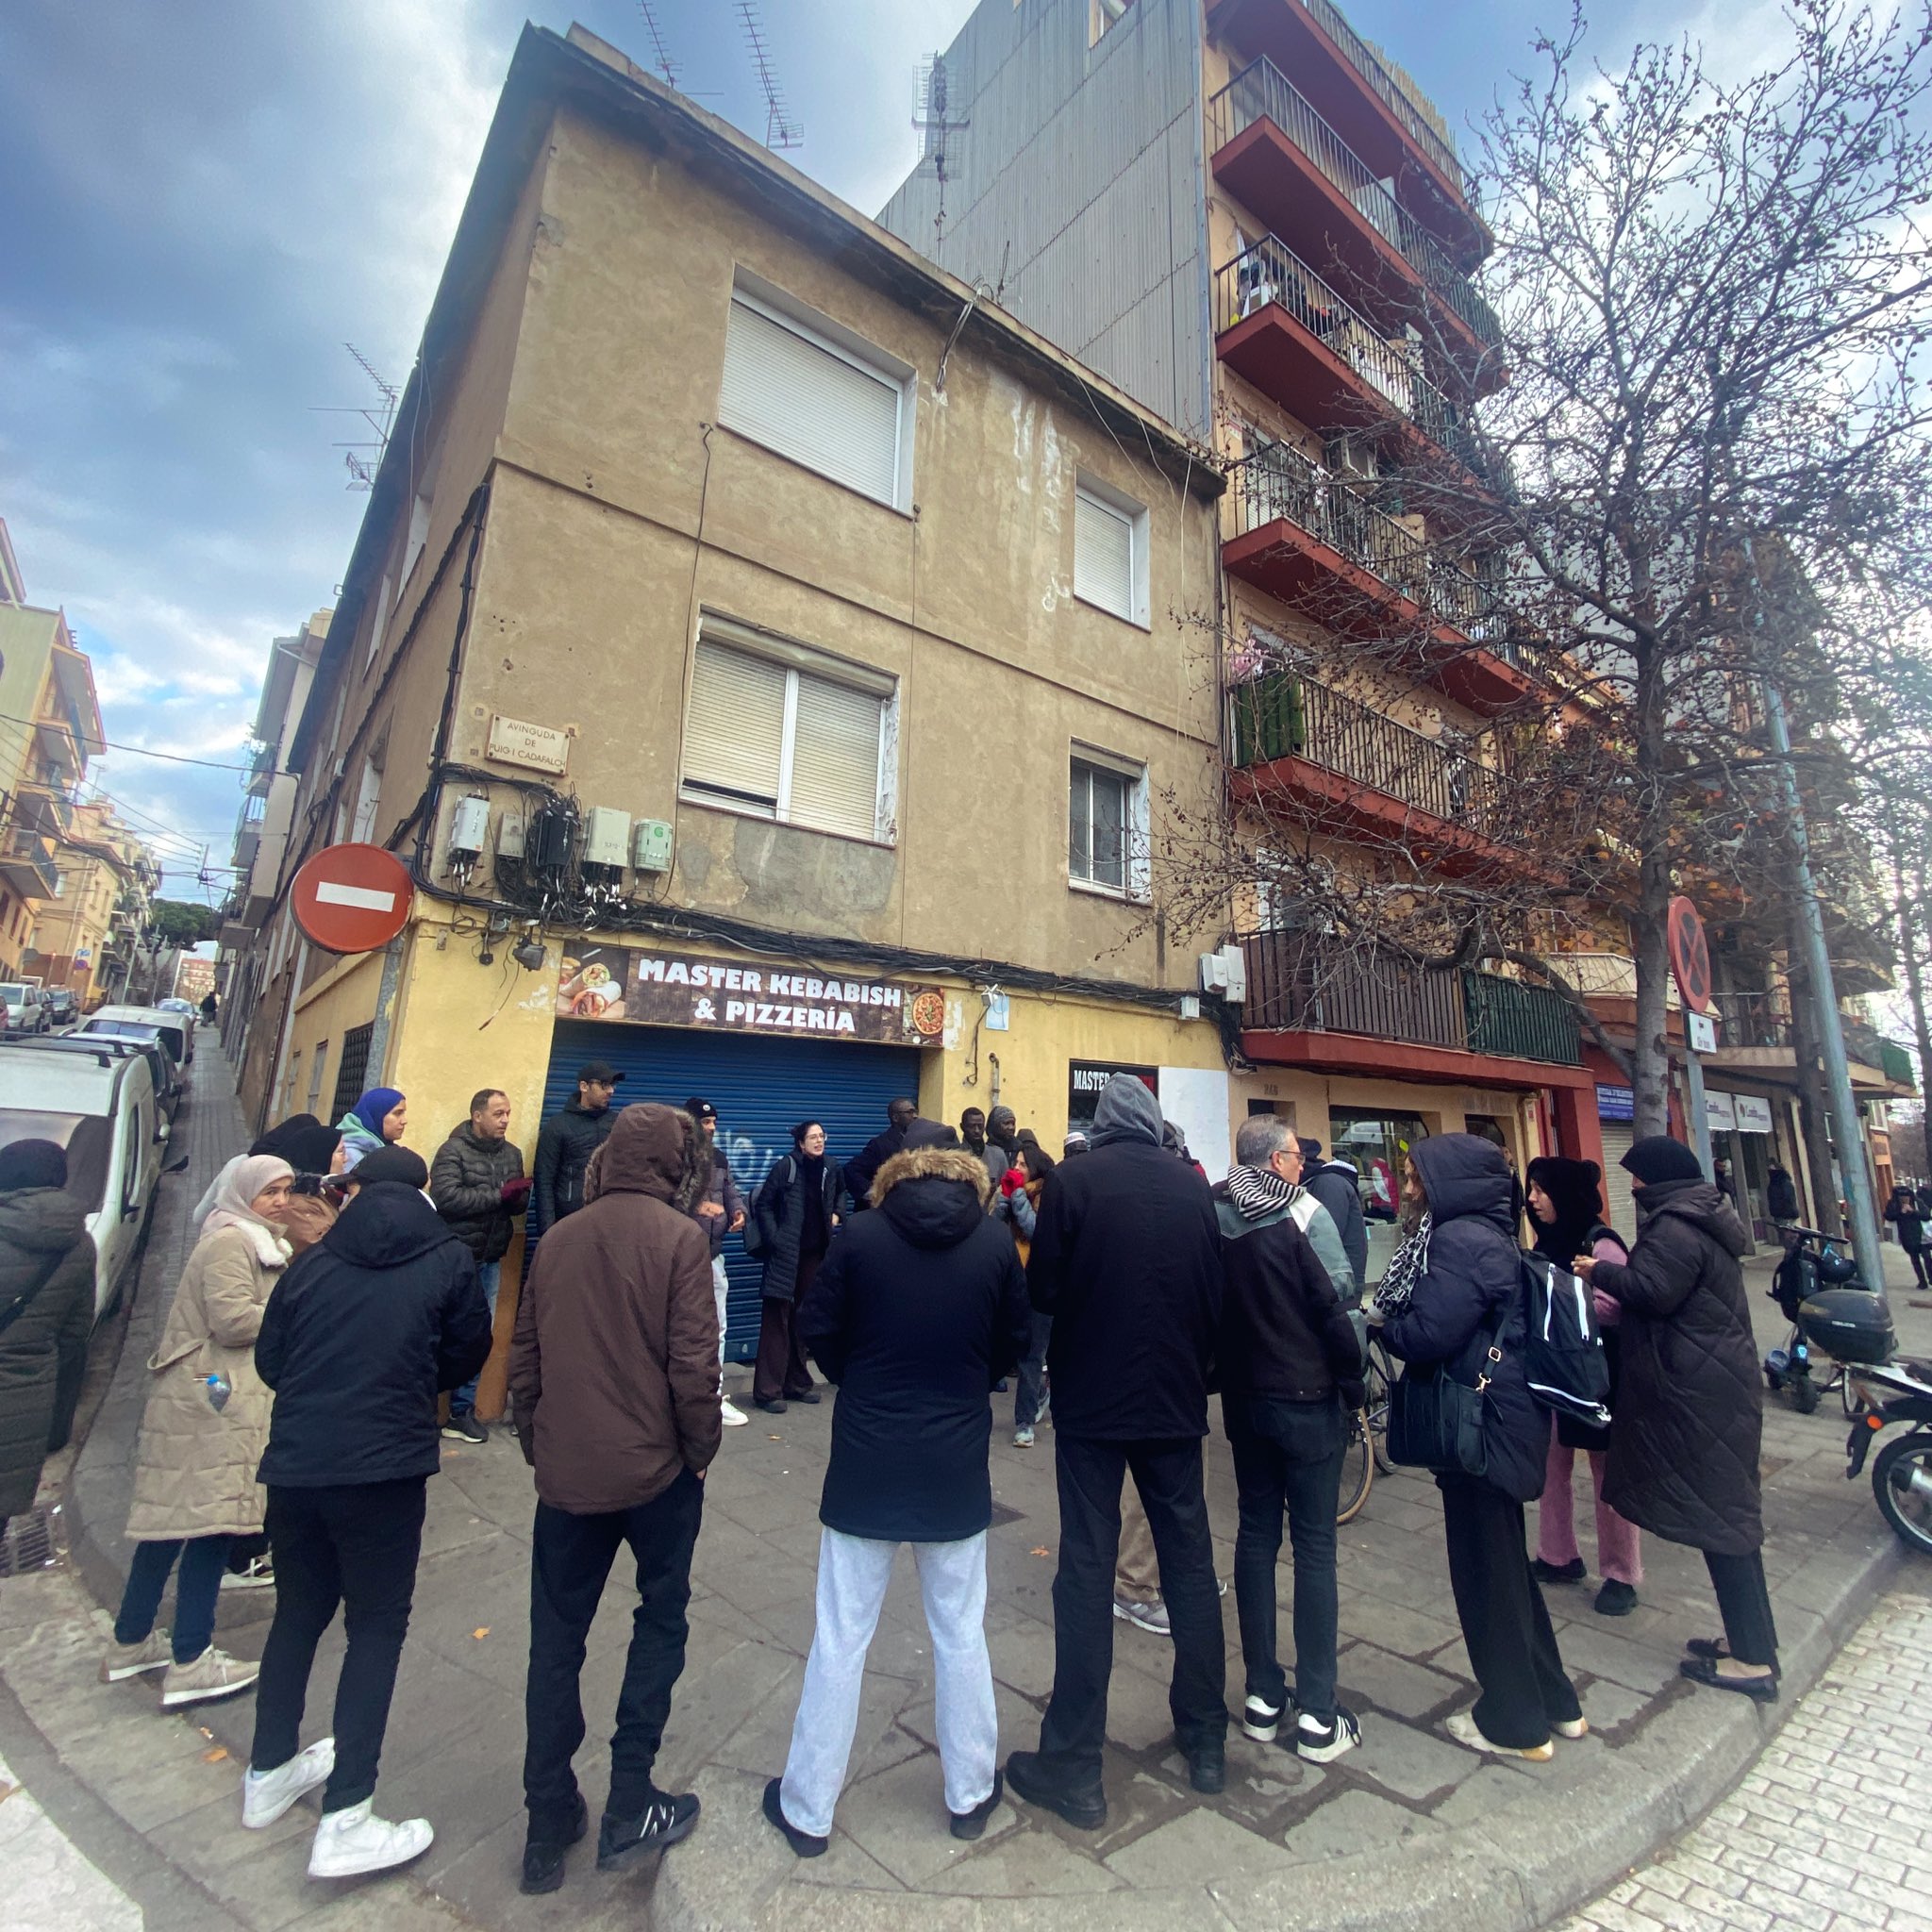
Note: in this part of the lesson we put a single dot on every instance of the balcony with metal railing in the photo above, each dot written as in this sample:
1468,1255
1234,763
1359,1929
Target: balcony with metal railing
1280,158
27,863
1302,982
1357,774
1754,1018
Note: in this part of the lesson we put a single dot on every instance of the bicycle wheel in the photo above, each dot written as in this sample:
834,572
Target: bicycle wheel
1375,1381
1357,1469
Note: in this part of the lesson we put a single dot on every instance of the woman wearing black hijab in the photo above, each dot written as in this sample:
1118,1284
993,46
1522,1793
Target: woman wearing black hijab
1683,1455
1566,1210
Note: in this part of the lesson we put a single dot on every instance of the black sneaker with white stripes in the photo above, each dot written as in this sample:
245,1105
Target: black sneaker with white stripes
664,1822
1323,1743
1261,1719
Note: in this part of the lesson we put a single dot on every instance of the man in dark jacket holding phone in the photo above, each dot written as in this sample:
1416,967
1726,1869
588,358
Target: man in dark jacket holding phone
361,1336
1291,1377
1127,1259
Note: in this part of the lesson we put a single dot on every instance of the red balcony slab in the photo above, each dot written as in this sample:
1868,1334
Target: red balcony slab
1402,1060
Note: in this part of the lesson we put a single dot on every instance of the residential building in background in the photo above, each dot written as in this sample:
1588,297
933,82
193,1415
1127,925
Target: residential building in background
763,654
84,938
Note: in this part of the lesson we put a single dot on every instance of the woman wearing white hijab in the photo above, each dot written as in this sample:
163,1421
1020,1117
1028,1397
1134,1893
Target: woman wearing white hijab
202,1438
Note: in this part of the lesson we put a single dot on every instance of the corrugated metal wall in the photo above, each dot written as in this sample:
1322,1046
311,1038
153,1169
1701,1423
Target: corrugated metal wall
1081,167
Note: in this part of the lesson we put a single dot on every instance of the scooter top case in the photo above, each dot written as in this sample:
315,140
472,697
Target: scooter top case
1849,1325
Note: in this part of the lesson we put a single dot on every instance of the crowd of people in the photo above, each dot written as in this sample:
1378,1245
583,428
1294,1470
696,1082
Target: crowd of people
340,1285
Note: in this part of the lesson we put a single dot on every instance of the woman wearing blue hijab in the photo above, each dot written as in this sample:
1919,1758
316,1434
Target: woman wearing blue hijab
376,1120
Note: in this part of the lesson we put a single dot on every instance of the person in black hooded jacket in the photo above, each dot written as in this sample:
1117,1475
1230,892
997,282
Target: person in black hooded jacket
1683,1456
920,1308
1451,1304
359,1337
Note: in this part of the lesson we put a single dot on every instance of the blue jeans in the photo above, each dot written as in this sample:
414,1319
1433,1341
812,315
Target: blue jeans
203,1559
1287,1456
489,1275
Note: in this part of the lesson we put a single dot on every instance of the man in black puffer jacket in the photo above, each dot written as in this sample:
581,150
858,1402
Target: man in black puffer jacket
1453,1304
359,1337
477,1184
1127,1259
918,1310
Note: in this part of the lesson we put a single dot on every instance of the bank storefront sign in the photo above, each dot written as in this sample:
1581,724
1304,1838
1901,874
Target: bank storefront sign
649,986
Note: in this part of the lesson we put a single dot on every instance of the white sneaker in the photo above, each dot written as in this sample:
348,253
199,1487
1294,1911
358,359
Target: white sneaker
1260,1720
266,1795
124,1660
1461,1725
259,1574
353,1841
730,1414
213,1673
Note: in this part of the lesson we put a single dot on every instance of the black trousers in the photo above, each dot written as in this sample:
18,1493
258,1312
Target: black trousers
1168,1475
570,1562
1506,1626
781,1368
1745,1605
354,1545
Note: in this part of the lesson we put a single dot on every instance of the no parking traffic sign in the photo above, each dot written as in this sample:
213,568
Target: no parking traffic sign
351,898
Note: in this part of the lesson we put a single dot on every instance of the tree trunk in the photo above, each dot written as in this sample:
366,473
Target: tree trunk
1814,1113
1650,1060
1911,923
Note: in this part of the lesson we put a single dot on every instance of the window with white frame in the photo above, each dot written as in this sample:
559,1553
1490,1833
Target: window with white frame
1102,15
1108,842
810,390
1110,551
784,733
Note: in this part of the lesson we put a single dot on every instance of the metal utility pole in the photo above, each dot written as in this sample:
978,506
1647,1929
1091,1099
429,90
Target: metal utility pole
1831,1037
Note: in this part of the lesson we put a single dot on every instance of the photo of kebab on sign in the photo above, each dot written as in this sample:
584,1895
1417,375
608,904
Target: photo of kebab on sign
592,987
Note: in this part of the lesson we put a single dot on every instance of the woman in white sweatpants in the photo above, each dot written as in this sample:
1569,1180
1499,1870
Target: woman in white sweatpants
917,1312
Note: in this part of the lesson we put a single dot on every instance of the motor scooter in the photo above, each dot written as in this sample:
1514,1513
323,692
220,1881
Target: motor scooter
1888,1394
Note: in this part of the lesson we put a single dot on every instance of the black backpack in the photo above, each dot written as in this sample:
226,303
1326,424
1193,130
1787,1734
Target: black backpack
1563,1348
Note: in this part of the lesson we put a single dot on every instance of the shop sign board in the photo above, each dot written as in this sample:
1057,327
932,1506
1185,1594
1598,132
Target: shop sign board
1087,1081
1719,1111
536,747
1616,1103
1753,1112
650,986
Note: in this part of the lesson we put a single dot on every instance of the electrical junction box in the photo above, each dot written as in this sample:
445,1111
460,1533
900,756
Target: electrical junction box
469,828
509,835
651,845
1225,973
606,837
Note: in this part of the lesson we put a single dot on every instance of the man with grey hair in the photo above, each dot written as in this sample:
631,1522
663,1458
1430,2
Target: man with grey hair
1291,1377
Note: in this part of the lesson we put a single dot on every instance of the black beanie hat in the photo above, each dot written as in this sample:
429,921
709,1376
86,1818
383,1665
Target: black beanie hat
32,1164
390,1164
1657,1159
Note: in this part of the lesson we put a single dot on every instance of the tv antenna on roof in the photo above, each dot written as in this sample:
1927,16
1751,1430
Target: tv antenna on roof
781,130
360,465
929,115
666,66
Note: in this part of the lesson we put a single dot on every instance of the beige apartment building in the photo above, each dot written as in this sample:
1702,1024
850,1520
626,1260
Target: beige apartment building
83,938
772,662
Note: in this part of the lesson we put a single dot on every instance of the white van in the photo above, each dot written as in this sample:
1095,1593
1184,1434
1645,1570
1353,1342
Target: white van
100,1107
145,1023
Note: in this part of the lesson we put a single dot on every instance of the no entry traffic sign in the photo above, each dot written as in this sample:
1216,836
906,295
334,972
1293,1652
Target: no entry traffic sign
351,898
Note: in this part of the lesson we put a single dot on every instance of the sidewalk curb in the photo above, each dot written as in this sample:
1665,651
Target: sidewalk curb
1519,1872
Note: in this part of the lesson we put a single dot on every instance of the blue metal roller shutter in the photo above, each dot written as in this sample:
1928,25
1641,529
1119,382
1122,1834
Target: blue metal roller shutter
761,1087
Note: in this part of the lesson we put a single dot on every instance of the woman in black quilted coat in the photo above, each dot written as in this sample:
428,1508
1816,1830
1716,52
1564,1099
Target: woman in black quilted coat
1683,1456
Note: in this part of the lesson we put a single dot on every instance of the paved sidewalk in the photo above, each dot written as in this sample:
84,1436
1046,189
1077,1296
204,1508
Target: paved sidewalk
1412,1829
1829,1830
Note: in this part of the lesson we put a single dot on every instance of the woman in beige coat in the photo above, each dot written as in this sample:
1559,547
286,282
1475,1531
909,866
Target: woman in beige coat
202,1438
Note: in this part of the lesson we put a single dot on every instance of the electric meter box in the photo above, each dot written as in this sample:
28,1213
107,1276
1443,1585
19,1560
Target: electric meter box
651,845
469,828
606,837
509,835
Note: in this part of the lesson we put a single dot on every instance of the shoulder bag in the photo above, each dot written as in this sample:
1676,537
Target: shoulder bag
1436,1423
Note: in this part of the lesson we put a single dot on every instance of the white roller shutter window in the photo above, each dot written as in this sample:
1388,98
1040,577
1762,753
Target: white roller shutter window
1620,1210
1103,556
834,760
735,742
792,394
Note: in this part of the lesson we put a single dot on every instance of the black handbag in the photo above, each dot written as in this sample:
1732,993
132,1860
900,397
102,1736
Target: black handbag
1436,1423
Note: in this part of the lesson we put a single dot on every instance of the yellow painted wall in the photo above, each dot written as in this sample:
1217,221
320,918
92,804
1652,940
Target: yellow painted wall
341,997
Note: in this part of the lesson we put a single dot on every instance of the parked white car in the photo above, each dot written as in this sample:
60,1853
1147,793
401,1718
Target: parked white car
145,1023
100,1107
22,1008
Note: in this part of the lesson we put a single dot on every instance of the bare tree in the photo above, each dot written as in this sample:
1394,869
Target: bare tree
1700,463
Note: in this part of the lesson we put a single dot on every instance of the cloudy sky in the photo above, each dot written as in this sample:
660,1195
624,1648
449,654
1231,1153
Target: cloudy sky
202,202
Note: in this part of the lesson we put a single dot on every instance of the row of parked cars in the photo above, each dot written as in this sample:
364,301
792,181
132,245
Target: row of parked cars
108,1089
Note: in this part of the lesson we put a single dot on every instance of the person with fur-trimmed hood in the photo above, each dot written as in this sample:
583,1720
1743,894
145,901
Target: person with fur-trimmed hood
920,1308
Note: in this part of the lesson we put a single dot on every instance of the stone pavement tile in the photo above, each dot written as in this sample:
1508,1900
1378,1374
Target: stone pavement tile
759,1742
898,1816
50,1886
725,1874
1412,1763
1023,1658
1604,1654
1607,1705
1393,1684
846,1867
712,1705
1024,1863
1019,1718
469,1790
1138,1713
1200,1847
1355,1821
480,1889
1395,1628
1492,1790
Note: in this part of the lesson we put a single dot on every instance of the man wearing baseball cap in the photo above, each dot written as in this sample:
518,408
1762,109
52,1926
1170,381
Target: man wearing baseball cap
567,1141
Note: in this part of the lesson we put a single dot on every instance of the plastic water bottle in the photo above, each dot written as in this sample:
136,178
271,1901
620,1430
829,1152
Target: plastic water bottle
219,1389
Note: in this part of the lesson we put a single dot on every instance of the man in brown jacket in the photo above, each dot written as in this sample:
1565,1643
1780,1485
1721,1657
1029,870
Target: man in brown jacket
616,1319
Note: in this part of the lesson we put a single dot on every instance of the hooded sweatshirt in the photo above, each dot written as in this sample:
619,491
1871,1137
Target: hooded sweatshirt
1127,1259
359,1337
46,1256
917,1312
616,1319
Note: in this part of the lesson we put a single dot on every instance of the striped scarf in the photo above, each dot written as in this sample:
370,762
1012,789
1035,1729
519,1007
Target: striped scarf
1259,1191
1409,1264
